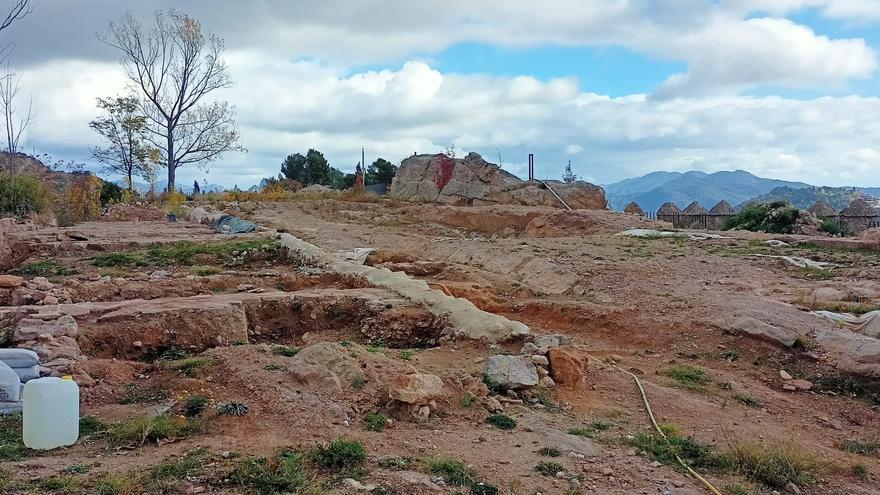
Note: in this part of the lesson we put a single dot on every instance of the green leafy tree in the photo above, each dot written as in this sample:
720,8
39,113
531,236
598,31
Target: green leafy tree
294,167
124,129
317,170
380,172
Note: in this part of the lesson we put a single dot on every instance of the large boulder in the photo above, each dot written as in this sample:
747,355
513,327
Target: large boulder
416,388
512,372
568,365
32,328
472,181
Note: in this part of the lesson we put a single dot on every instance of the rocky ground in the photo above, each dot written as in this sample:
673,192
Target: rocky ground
171,331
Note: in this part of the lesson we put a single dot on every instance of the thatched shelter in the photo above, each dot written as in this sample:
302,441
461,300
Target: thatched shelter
822,209
695,208
634,209
668,208
722,208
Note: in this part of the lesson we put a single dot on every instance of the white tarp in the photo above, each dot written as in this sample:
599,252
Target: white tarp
866,324
357,255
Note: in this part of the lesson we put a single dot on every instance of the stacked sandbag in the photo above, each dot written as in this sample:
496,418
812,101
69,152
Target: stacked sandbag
24,362
10,390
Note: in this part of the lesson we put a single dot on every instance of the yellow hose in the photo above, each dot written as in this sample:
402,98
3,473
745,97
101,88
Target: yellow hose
660,431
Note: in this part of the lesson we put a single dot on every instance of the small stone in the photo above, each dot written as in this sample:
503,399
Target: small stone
789,387
803,385
607,471
784,375
10,281
540,360
792,488
138,344
546,382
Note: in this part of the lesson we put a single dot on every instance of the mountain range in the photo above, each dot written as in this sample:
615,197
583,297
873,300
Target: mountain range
652,190
838,197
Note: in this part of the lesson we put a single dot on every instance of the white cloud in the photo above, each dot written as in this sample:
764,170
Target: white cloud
724,46
289,107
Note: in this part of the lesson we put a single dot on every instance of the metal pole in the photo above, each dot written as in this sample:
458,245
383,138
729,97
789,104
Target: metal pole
531,166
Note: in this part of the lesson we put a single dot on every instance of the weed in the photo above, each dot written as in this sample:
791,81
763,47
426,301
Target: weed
696,454
144,429
205,271
46,268
133,395
359,382
860,471
274,367
11,445
501,421
690,377
116,259
76,469
860,447
856,308
813,273
483,488
591,429
495,388
747,400
232,408
735,489
90,425
173,354
407,354
468,400
112,484
283,473
731,355
774,465
286,351
58,484
376,348
341,455
452,470
549,468
195,405
162,477
188,366
846,385
345,343
550,452
375,422
545,398
395,463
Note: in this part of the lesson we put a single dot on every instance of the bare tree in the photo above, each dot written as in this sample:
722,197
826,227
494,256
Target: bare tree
175,65
124,129
14,123
18,10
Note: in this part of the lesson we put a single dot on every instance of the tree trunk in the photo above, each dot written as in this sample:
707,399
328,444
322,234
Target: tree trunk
171,165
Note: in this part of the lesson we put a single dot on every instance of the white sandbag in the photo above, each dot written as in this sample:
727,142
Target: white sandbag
7,408
19,358
10,385
26,374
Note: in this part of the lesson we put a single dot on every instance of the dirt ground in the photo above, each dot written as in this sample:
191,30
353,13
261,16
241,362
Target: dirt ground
646,306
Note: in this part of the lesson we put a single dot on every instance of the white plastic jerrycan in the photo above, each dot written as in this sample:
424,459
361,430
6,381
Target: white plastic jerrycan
51,413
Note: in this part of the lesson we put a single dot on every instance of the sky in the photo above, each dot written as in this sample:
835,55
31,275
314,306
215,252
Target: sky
788,89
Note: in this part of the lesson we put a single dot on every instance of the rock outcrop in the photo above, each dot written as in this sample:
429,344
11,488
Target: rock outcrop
472,181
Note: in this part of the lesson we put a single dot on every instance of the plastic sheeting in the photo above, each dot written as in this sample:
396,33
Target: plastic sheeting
19,358
10,385
228,224
866,324
651,233
356,255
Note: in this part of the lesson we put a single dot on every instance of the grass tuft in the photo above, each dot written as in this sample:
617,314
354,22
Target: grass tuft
340,455
501,421
142,430
547,468
282,473
375,422
690,377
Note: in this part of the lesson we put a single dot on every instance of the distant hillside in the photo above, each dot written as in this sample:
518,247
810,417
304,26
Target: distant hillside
682,188
838,197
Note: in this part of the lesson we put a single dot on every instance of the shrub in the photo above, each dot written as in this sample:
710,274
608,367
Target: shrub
286,351
340,455
46,268
110,193
833,228
860,471
58,484
774,465
778,217
195,405
860,447
696,454
407,354
501,421
283,473
116,259
82,202
549,468
375,422
21,195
